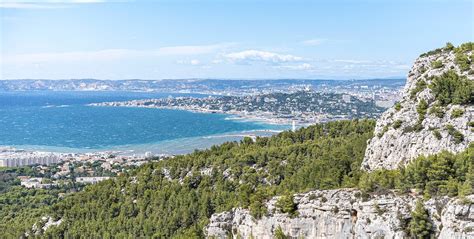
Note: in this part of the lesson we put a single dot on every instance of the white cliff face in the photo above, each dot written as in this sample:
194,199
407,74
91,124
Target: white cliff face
344,214
394,146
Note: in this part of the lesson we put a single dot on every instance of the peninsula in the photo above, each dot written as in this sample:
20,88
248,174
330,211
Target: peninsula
302,107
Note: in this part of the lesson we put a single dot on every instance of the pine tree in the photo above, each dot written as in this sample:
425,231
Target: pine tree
420,225
287,205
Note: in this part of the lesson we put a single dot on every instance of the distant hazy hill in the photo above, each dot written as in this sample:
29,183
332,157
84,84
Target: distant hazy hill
185,85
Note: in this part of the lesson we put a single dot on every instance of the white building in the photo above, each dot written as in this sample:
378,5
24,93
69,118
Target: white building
30,159
90,179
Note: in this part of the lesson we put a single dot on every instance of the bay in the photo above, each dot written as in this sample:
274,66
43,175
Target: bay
62,121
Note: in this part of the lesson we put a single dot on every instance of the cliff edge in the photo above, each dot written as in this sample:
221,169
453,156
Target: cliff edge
435,113
343,213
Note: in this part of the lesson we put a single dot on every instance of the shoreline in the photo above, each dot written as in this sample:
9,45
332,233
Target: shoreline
165,148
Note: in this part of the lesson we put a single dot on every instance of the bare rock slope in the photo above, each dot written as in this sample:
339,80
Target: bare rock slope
426,121
344,214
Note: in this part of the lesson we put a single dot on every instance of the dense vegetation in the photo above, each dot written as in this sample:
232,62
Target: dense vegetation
20,208
463,48
176,197
435,175
450,88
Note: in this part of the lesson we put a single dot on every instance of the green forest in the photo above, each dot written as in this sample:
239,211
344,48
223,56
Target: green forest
174,198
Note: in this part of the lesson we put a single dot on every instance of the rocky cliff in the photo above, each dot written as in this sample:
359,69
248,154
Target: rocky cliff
406,130
435,114
345,214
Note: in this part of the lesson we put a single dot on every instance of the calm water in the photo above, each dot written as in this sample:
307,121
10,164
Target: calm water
61,121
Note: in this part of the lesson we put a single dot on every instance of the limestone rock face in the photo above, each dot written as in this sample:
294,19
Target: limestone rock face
345,214
395,140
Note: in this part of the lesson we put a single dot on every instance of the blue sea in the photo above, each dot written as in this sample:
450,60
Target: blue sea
62,122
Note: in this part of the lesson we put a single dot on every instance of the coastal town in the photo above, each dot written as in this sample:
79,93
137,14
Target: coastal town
302,107
37,169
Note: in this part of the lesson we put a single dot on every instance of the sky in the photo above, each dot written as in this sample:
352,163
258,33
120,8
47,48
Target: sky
176,39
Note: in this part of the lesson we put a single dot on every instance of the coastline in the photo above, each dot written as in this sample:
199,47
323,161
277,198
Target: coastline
245,116
165,148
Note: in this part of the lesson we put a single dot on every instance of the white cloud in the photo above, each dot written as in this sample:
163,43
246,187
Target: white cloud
44,4
314,42
301,67
249,56
112,54
30,5
193,62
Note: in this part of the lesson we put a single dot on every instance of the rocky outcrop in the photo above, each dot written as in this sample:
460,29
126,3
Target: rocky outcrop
397,139
345,214
43,225
403,132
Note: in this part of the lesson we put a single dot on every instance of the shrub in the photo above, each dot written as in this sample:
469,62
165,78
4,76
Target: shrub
437,64
462,61
420,225
440,174
471,124
384,130
419,86
397,124
422,69
379,181
279,234
437,134
433,52
465,47
437,110
257,206
452,88
286,204
398,106
465,189
421,108
457,136
449,46
456,113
